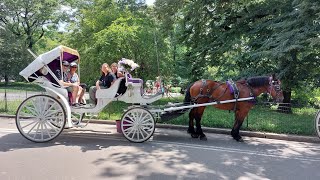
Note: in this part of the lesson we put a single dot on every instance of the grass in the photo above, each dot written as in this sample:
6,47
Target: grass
261,118
19,86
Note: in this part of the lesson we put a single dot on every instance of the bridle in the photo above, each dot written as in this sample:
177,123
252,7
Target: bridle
274,84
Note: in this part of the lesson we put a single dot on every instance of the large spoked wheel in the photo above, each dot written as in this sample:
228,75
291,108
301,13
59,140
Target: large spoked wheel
137,125
40,118
317,123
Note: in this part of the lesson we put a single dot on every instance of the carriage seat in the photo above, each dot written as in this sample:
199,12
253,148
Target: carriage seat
135,82
110,92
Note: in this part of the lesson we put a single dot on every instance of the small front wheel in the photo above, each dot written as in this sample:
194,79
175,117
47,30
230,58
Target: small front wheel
40,118
137,125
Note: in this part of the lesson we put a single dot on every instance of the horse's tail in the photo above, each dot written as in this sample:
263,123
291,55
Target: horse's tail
187,98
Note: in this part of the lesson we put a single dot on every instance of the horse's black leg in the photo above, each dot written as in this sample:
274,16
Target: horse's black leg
191,126
198,124
235,131
199,129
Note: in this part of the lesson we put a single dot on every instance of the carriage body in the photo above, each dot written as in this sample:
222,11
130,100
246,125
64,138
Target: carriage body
41,118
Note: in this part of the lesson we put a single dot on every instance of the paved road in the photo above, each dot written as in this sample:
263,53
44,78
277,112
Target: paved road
98,152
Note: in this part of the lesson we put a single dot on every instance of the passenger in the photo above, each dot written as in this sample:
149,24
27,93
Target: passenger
74,78
63,79
122,87
114,68
106,80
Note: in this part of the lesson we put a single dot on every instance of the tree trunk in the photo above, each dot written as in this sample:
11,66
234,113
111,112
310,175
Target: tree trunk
6,79
285,107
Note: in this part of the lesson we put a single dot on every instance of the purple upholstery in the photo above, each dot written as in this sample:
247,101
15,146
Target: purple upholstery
69,57
135,81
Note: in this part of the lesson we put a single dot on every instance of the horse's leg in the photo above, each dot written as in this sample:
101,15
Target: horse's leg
198,116
239,118
191,125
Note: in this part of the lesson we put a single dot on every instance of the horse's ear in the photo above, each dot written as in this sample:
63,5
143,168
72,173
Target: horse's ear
274,77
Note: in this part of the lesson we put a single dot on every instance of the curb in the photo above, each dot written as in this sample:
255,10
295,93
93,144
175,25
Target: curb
311,139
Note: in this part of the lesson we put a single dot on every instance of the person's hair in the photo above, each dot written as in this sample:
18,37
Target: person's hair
108,68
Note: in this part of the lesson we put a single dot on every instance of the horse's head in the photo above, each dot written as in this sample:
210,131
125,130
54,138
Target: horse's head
274,89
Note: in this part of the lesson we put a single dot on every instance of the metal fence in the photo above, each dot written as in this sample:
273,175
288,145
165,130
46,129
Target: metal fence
264,117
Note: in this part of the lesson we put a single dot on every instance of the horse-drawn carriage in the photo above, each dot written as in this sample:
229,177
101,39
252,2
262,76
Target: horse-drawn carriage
43,117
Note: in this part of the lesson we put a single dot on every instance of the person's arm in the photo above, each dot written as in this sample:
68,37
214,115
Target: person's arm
98,84
120,74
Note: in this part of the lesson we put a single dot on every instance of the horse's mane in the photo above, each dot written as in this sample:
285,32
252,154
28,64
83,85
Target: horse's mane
258,81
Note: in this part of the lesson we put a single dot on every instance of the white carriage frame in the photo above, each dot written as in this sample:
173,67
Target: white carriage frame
104,96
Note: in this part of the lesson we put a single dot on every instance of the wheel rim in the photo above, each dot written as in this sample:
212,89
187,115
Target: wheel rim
40,118
137,125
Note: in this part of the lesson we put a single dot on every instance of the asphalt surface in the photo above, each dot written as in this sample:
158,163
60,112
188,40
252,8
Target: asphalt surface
99,152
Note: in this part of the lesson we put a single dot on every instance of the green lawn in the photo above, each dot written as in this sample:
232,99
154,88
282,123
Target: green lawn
260,118
19,86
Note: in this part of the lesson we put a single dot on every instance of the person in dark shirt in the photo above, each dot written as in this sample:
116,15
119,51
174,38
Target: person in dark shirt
105,81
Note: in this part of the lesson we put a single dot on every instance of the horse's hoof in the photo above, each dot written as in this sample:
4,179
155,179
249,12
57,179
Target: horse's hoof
203,137
194,135
238,138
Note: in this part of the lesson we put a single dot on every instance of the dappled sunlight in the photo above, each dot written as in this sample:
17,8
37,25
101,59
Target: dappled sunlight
134,162
250,176
286,148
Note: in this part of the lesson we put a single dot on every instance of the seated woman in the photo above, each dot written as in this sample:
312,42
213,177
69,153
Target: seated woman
74,78
63,78
114,68
106,80
122,88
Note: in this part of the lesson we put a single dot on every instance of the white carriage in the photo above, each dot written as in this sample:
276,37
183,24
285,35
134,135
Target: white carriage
41,118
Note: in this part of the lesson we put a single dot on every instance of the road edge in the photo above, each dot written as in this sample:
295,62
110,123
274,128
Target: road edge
287,137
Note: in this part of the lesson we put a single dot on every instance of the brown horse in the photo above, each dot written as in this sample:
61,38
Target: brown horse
205,91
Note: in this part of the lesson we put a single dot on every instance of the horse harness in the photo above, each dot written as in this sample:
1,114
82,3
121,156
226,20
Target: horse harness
209,92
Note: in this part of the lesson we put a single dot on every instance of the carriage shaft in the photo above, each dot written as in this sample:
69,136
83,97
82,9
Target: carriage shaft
207,104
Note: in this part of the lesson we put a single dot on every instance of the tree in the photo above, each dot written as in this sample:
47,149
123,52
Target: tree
28,19
12,55
108,32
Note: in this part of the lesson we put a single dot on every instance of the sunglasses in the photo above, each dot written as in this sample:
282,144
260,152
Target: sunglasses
73,67
66,65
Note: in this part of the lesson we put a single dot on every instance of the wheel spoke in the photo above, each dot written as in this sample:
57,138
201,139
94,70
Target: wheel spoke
127,129
32,110
33,127
140,130
35,107
41,130
45,126
52,113
30,124
53,128
35,134
49,110
127,125
144,131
